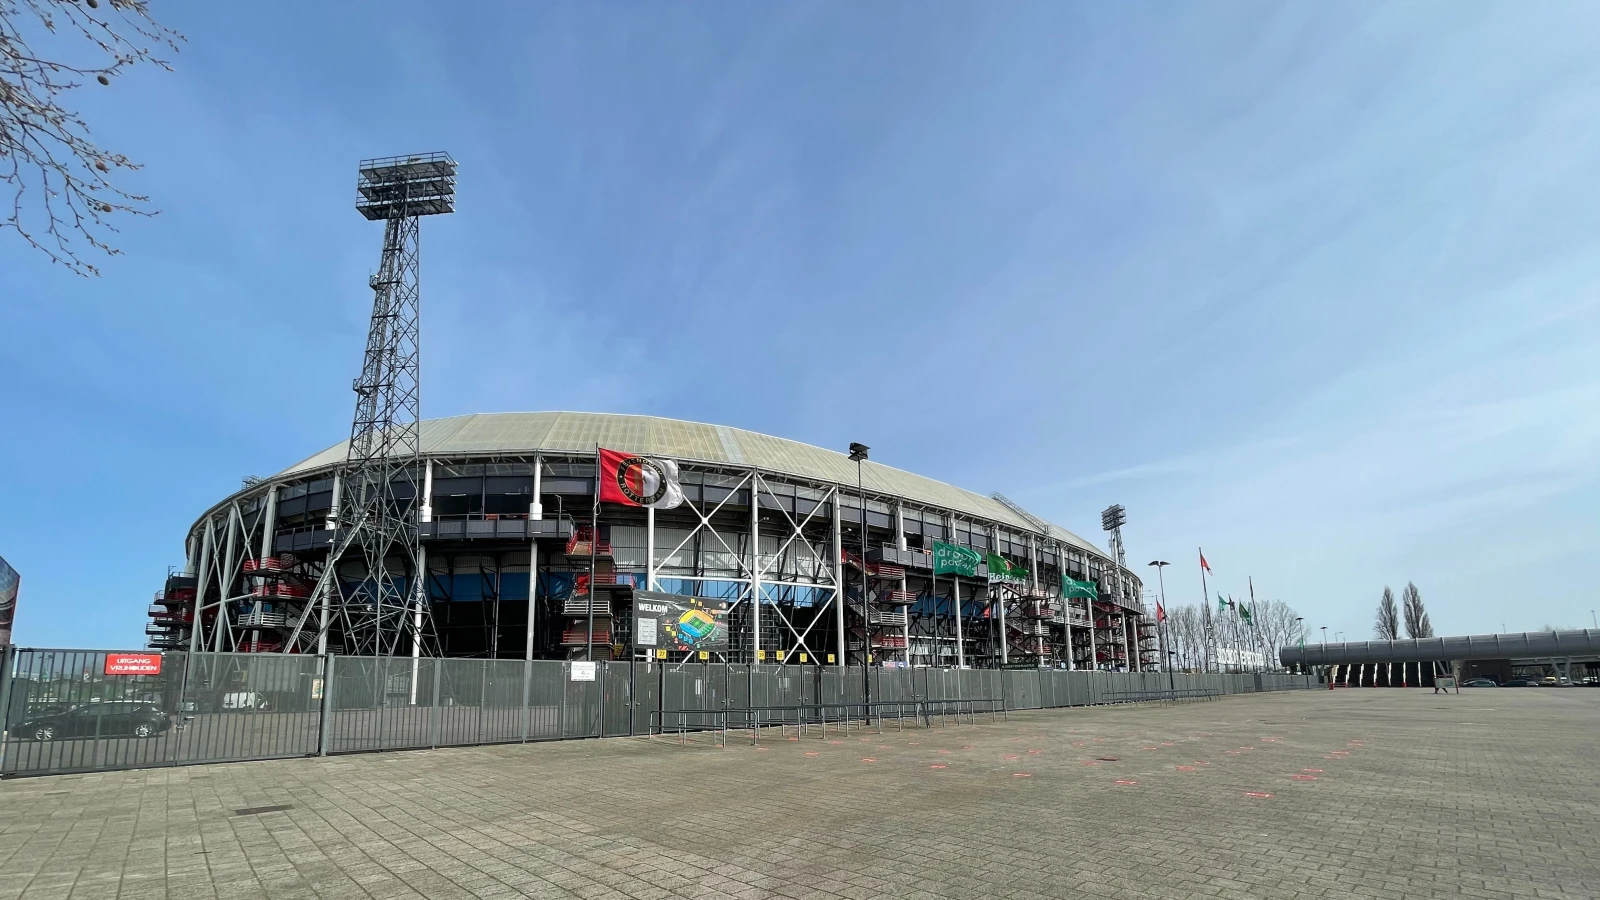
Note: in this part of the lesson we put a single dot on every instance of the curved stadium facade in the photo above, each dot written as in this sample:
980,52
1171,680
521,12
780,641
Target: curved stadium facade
769,527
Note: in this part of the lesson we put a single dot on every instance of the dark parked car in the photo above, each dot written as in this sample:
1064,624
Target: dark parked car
1520,682
113,718
1479,682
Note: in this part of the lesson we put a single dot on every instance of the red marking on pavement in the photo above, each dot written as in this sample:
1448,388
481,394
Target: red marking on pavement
941,751
1149,748
792,739
1090,762
1099,740
1270,740
1126,781
1021,775
967,747
1035,752
1168,744
762,749
1201,762
913,743
1231,752
811,753
1313,771
1357,743
938,766
867,759
1009,756
1304,777
1259,795
1333,757
1186,768
885,747
836,742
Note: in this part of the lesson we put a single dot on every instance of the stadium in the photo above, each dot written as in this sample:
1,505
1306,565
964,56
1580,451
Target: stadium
770,542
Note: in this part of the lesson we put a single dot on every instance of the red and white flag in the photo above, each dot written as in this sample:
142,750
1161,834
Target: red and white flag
1161,613
1205,566
634,480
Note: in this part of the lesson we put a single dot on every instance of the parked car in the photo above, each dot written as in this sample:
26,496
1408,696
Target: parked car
112,718
1479,682
1520,682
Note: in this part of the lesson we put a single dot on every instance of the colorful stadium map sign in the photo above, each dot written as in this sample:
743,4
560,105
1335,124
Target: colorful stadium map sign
676,622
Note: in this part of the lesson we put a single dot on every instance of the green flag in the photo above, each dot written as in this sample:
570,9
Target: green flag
950,559
1000,570
1244,613
1084,589
1222,605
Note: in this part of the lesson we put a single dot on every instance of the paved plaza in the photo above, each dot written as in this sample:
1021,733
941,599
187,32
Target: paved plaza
1329,794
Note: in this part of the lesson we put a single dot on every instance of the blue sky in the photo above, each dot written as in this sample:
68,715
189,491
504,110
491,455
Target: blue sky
1312,286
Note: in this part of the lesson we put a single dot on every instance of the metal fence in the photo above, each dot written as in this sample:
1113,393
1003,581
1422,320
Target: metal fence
63,712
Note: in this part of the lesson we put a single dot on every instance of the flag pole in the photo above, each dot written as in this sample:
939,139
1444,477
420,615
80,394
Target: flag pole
594,543
1205,599
1254,626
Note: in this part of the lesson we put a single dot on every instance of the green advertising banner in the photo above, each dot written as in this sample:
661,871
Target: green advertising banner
1084,589
949,559
1000,570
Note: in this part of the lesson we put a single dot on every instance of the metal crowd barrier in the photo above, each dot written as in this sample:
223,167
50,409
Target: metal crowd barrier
1170,696
717,719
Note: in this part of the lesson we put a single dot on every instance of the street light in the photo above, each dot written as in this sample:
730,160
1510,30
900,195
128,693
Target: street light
1324,635
858,452
1300,631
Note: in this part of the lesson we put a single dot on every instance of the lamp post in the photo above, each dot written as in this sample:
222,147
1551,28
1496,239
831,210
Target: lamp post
1300,632
1324,635
858,452
1161,580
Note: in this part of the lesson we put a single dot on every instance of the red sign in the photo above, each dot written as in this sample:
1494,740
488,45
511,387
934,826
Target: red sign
133,664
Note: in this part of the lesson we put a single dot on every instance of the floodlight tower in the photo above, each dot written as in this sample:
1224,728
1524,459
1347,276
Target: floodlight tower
373,578
1112,518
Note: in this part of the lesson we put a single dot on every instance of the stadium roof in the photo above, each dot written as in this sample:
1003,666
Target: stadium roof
576,432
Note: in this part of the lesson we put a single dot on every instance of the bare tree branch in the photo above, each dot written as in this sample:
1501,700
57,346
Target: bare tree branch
1387,625
61,193
1417,623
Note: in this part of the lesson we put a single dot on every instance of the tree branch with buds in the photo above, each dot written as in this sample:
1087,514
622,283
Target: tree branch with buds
62,197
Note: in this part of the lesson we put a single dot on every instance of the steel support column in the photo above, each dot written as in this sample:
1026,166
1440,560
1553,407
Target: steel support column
838,582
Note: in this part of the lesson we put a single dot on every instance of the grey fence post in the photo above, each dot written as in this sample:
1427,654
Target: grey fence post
433,714
527,686
8,655
325,720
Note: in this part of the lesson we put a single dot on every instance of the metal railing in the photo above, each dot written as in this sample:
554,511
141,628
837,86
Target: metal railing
80,710
1171,696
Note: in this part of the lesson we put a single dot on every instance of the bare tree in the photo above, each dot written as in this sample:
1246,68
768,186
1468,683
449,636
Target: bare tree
1280,626
1417,623
1387,626
60,179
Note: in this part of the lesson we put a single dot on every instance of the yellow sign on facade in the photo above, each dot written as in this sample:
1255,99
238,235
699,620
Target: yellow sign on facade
661,654
705,654
830,659
761,655
802,657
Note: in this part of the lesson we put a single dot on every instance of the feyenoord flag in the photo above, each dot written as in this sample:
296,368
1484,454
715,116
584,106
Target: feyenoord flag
639,480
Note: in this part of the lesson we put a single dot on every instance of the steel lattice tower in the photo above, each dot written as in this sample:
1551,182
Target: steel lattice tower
371,596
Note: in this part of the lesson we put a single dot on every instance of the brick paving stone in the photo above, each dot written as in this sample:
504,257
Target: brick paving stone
1489,794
